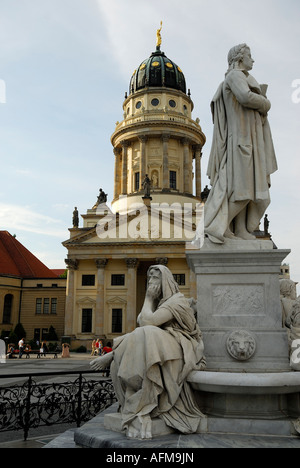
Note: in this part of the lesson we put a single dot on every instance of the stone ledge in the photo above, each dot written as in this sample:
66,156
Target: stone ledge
273,383
93,434
113,422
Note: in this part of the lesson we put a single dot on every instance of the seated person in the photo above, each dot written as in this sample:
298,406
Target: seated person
150,365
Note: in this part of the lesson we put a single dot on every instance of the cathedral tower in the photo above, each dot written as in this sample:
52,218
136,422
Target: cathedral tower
157,136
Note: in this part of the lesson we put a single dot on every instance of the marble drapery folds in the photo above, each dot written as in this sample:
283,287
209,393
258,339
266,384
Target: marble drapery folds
151,364
242,155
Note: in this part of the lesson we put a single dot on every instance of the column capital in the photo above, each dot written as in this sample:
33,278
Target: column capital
117,151
125,143
72,264
162,261
185,141
197,149
165,137
132,262
101,262
143,138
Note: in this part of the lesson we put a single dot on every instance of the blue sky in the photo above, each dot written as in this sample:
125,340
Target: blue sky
66,65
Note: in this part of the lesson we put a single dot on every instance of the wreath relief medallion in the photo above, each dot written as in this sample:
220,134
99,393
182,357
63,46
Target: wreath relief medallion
241,345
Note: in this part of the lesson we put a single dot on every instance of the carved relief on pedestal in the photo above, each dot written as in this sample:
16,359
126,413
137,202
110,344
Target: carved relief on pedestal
238,300
241,345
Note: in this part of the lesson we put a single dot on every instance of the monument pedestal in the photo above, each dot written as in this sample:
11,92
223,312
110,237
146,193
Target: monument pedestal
248,386
239,307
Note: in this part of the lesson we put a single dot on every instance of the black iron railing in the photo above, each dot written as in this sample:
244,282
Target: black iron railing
34,404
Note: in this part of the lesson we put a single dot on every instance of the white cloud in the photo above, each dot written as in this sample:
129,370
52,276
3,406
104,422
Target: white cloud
22,218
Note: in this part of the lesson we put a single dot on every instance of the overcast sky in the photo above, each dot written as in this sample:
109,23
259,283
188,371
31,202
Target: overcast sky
65,66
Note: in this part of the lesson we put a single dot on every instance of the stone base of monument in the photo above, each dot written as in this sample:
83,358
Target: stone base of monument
94,434
248,386
239,307
113,422
261,403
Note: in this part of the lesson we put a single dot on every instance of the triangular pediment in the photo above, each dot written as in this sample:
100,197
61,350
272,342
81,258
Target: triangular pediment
86,300
116,300
145,225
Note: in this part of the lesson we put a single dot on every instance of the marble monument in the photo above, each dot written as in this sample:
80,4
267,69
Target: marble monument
248,386
150,366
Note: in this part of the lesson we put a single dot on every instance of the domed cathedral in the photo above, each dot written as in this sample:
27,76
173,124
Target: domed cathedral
157,151
158,136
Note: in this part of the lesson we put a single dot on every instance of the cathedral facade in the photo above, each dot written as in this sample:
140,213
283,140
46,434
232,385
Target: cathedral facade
154,212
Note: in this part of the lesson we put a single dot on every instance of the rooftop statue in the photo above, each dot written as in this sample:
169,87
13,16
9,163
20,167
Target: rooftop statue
158,36
75,218
242,155
150,365
102,198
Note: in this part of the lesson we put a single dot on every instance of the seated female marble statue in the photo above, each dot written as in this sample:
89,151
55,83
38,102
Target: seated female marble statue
150,365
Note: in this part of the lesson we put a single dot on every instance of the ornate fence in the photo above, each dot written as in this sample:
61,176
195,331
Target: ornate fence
34,404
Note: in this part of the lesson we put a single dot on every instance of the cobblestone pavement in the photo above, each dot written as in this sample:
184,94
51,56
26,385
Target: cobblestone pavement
14,367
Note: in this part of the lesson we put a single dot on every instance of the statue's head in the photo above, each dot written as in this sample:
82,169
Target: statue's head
240,57
295,315
288,288
155,280
161,275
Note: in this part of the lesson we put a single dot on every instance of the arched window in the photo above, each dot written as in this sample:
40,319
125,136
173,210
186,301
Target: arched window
7,309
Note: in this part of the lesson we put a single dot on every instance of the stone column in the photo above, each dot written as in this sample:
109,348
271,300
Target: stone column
187,169
132,264
165,181
117,153
198,155
99,316
125,145
143,165
72,266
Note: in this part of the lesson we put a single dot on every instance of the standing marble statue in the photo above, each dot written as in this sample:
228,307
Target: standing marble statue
150,365
242,155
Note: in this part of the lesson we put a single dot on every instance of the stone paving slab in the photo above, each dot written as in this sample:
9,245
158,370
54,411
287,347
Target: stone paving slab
94,435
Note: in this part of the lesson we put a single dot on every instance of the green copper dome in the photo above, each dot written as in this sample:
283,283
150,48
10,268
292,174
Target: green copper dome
157,71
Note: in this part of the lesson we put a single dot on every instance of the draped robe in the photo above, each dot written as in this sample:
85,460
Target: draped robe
242,156
151,365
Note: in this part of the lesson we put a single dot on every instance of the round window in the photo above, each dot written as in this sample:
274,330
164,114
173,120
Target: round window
155,102
172,103
138,105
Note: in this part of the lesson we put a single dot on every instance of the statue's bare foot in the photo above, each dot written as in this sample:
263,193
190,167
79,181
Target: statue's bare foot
146,426
245,235
102,362
140,428
229,235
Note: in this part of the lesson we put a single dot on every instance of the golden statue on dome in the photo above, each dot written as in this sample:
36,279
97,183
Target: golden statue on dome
158,36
